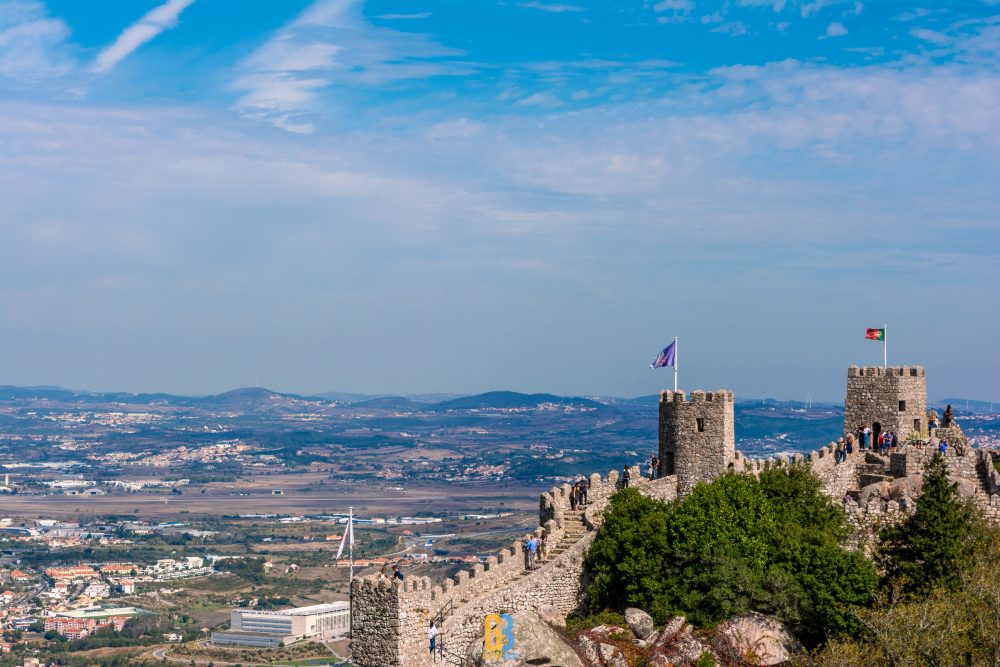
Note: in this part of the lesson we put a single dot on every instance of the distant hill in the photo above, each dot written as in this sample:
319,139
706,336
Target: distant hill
390,403
510,400
254,399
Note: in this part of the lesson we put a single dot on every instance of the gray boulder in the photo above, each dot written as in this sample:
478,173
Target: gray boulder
640,623
768,641
535,643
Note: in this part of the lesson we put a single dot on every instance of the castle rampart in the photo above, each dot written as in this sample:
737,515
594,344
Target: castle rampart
393,634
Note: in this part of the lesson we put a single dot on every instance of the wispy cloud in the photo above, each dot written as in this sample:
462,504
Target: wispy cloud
404,17
30,41
678,10
555,8
328,44
836,29
146,28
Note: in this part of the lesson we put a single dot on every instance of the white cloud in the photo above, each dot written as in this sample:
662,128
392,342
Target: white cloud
155,21
404,17
331,44
554,8
931,36
736,28
836,29
543,99
31,42
679,10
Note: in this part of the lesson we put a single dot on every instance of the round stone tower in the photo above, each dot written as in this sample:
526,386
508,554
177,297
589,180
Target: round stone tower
697,436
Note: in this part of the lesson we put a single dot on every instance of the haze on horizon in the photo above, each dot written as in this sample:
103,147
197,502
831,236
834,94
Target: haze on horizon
425,196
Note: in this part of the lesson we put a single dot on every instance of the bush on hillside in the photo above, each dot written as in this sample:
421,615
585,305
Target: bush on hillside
736,545
959,626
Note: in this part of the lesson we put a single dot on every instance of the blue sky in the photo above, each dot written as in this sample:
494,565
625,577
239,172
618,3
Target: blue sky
462,196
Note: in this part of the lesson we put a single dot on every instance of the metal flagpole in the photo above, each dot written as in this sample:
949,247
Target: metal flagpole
675,363
885,347
349,536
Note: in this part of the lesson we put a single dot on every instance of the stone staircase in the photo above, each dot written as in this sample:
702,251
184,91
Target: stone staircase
874,469
574,529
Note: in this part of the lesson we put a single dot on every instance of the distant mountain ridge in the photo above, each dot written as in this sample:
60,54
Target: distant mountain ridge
251,399
510,400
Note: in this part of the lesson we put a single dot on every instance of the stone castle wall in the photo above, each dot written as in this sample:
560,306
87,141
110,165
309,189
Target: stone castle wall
895,398
697,436
391,618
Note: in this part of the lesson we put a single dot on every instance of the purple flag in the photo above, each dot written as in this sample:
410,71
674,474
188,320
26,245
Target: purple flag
665,357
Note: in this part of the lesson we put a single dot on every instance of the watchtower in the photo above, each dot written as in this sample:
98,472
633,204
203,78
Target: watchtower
697,436
886,399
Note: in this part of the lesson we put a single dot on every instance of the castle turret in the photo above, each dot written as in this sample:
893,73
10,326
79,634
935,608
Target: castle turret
697,436
886,399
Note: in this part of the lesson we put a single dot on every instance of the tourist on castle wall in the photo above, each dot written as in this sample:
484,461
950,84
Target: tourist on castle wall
849,445
532,546
432,635
572,498
943,447
584,487
860,433
868,437
839,454
626,476
397,573
543,548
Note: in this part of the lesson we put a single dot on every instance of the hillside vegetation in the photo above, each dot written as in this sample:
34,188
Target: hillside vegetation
736,545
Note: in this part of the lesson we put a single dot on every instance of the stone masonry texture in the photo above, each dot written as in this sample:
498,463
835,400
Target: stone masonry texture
893,398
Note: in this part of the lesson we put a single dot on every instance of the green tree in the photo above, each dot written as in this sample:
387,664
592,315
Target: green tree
932,545
738,544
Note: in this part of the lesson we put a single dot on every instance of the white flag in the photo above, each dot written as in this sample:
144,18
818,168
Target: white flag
348,535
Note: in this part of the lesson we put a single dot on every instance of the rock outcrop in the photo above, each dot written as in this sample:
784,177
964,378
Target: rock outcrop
535,643
759,640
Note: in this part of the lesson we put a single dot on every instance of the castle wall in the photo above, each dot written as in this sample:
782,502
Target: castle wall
697,436
394,633
895,398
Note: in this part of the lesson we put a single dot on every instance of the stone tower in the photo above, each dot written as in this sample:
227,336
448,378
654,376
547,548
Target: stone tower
886,399
697,436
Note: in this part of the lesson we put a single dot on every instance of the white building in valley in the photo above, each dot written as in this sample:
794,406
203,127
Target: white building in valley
252,627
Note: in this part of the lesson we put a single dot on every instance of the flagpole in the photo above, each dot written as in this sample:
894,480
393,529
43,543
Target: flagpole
675,363
349,531
885,347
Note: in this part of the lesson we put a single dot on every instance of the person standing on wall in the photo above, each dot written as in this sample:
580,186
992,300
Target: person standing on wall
432,635
626,477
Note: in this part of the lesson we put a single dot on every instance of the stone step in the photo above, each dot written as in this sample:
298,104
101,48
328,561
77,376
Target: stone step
868,478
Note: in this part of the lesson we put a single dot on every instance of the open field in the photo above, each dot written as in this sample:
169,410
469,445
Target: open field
403,500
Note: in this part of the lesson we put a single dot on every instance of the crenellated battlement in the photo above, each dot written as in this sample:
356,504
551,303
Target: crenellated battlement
697,396
396,614
879,371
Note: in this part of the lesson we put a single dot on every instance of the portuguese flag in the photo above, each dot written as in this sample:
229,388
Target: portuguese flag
875,334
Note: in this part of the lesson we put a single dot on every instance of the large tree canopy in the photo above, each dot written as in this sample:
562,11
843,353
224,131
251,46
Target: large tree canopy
739,544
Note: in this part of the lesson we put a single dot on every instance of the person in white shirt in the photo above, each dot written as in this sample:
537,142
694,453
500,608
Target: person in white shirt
432,635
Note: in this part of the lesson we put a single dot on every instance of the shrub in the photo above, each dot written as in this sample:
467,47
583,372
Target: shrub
736,545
